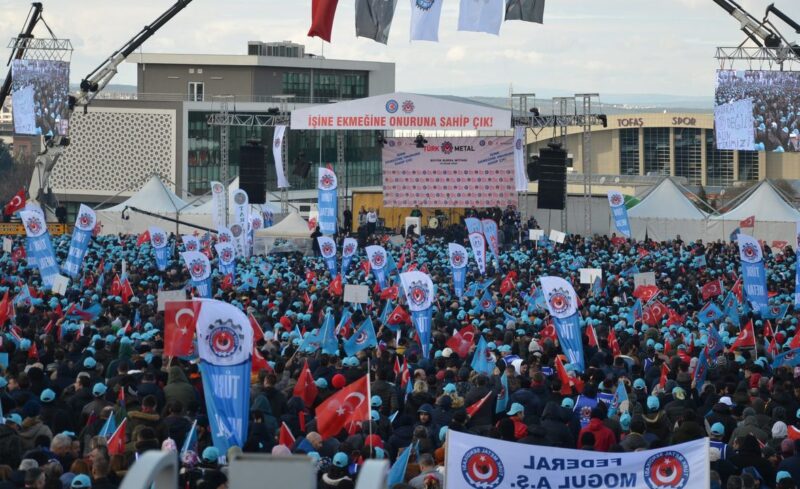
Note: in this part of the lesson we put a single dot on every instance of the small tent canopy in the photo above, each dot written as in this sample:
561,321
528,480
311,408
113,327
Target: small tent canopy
291,234
154,197
775,218
292,226
666,212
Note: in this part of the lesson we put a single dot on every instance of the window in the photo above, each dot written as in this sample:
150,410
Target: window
326,86
719,163
629,151
297,84
689,154
196,91
656,151
748,166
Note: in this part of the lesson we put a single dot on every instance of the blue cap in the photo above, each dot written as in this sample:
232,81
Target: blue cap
504,348
321,383
516,408
15,418
47,395
340,460
449,388
625,421
81,481
568,403
653,403
99,389
782,475
718,429
376,401
375,415
90,362
210,454
639,384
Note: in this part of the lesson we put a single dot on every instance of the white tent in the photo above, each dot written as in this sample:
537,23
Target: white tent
201,214
154,197
775,218
291,234
664,213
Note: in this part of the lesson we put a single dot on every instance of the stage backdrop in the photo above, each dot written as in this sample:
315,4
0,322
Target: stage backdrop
449,172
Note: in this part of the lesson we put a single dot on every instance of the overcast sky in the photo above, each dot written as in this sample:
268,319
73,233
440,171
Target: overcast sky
605,46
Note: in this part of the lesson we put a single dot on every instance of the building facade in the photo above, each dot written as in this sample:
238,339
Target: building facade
670,144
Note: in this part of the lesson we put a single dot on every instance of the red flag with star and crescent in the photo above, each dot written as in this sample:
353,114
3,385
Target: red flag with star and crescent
305,388
746,338
398,316
16,203
180,318
654,313
461,341
712,289
344,409
645,292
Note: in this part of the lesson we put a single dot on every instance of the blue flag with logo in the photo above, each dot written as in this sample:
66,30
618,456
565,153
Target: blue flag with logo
775,312
714,344
619,212
327,248
109,427
480,359
200,272
636,313
39,247
490,233
711,312
159,242
224,345
620,402
349,249
789,358
730,306
81,237
487,303
583,407
397,474
562,302
363,337
701,370
502,397
327,201
329,343
754,274
699,261
458,264
419,292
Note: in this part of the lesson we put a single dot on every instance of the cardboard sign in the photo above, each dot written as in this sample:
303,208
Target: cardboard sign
60,284
646,278
356,294
8,245
588,275
733,125
535,234
170,295
557,236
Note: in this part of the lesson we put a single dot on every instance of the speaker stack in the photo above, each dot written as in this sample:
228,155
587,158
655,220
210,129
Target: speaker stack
253,173
552,178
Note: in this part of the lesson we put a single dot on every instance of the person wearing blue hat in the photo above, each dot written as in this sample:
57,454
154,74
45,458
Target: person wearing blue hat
337,474
81,481
517,416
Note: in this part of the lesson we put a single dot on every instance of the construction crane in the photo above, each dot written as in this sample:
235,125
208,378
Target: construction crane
90,86
34,16
771,44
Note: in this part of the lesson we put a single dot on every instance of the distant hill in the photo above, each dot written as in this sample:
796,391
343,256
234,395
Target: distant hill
622,103
109,88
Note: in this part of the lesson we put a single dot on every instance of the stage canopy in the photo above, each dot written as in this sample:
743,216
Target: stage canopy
404,111
666,212
154,197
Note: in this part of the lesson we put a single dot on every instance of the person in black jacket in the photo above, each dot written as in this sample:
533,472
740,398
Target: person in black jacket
481,420
748,454
557,433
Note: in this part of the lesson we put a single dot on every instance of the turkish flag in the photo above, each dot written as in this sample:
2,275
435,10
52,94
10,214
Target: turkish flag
18,254
180,318
768,329
344,409
259,362
712,289
33,352
143,238
258,333
462,340
654,313
16,203
618,241
613,343
645,292
737,289
116,286
662,381
566,385
507,285
795,341
390,293
127,291
643,252
398,316
477,405
285,437
310,276
674,318
748,223
793,433
746,338
772,349
116,444
305,388
5,306
592,335
335,287
549,331
366,267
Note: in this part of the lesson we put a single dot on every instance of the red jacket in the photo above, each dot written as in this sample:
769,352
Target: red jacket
603,436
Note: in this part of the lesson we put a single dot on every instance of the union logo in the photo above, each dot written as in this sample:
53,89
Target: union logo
392,106
158,240
616,199
224,338
34,225
447,147
197,268
236,230
326,181
750,253
327,248
408,106
227,254
559,301
349,249
457,259
191,245
418,293
666,470
482,468
240,198
85,221
378,259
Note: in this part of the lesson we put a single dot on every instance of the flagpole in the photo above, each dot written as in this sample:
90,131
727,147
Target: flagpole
369,397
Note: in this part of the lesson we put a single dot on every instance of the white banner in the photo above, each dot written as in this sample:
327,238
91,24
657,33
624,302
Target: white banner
520,160
478,244
480,16
562,302
418,287
376,256
158,237
277,154
458,255
190,243
241,207
425,16
327,246
218,204
197,264
486,463
733,125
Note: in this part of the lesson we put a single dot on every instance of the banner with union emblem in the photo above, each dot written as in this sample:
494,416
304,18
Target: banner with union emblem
327,201
224,344
218,211
486,463
753,272
277,155
349,248
490,234
619,212
158,239
562,302
377,261
458,264
39,247
478,244
200,271
418,288
226,256
190,243
81,237
327,248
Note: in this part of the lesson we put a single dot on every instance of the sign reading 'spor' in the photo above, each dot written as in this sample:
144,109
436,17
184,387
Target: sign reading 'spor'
402,111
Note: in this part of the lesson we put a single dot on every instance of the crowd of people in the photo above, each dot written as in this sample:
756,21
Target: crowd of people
69,357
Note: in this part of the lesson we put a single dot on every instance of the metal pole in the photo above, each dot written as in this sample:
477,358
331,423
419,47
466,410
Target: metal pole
341,163
587,160
562,135
224,148
522,197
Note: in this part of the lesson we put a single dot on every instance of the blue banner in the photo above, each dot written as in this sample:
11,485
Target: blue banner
377,262
158,240
39,246
754,274
327,248
327,201
789,358
619,212
422,322
81,237
562,302
349,248
419,292
490,234
200,271
226,258
458,264
225,343
364,337
473,225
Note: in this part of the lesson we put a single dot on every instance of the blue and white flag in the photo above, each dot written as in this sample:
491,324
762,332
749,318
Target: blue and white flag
327,201
419,291
224,235
190,442
39,247
480,359
490,234
775,312
349,249
425,16
458,264
364,337
562,302
478,244
226,258
190,243
397,474
377,262
327,335
81,237
503,395
754,274
109,427
487,303
789,358
620,402
158,239
714,344
473,225
327,248
224,344
730,306
480,16
619,212
200,271
583,407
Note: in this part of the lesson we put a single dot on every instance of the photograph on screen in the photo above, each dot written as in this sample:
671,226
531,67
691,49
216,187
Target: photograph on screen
775,100
40,91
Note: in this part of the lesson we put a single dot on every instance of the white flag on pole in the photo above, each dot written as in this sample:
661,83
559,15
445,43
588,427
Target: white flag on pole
425,16
480,16
277,154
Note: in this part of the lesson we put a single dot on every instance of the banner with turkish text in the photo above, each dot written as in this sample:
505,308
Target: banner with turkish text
458,264
327,201
754,273
619,212
81,237
39,247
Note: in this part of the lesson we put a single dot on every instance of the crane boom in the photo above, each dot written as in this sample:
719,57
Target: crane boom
33,18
